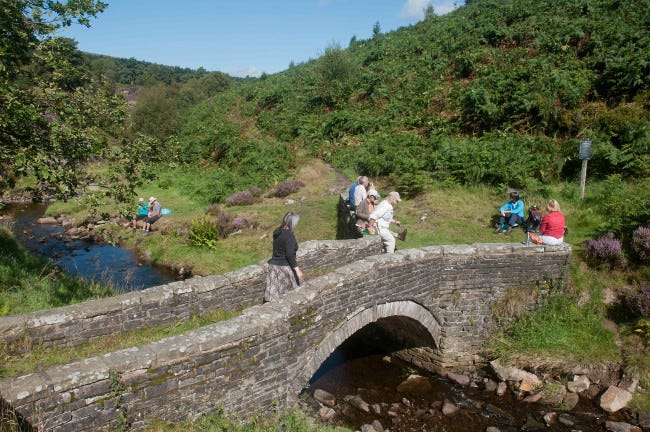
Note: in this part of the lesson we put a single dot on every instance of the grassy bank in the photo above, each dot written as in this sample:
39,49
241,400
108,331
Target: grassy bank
289,421
443,215
29,283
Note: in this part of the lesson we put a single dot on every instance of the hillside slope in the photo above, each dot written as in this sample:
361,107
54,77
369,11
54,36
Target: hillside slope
497,92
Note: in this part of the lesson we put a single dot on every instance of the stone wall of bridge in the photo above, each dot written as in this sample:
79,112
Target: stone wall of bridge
265,356
233,291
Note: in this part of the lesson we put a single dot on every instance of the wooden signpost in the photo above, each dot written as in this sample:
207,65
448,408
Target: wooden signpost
584,154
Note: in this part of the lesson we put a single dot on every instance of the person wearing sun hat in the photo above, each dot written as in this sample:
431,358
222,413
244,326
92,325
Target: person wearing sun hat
383,217
141,213
365,208
154,214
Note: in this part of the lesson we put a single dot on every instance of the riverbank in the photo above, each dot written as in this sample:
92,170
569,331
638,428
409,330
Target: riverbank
497,398
29,283
59,248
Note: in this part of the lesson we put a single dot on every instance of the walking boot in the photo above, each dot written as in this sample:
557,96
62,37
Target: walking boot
498,230
509,230
402,235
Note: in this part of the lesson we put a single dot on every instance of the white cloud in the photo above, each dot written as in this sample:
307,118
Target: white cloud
416,8
445,7
250,71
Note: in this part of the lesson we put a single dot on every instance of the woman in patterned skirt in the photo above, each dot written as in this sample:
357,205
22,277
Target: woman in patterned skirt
284,274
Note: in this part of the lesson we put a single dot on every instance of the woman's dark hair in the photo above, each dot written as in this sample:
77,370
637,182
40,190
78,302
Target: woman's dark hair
289,221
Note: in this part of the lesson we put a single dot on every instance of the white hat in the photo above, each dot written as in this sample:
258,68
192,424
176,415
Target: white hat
141,200
152,199
394,195
374,193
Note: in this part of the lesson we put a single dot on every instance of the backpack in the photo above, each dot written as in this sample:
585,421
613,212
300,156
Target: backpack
534,221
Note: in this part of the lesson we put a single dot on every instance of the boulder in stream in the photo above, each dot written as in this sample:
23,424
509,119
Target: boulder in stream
326,398
358,403
621,427
614,399
579,384
415,385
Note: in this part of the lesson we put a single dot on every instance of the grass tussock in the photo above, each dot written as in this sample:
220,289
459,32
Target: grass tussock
289,421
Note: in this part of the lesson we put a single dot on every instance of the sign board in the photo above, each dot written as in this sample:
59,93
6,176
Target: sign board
585,150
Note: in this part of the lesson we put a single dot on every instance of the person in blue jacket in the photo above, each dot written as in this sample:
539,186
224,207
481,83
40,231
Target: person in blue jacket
511,213
142,213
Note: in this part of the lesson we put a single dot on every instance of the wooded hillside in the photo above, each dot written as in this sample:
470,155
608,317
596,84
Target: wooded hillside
497,92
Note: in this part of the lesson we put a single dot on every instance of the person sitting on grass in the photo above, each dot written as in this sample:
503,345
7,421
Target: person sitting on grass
141,213
511,213
154,214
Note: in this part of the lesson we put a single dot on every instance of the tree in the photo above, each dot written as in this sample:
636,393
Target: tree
376,29
336,71
53,116
155,112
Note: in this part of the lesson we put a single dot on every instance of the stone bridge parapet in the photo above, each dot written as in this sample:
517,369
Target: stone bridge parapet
233,291
440,300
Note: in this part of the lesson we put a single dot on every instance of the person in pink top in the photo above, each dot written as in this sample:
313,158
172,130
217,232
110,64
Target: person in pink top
553,223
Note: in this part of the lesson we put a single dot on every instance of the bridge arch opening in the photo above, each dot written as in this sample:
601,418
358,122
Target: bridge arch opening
386,336
382,329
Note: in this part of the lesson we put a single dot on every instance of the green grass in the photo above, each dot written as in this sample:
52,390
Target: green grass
563,332
452,215
288,421
28,283
39,357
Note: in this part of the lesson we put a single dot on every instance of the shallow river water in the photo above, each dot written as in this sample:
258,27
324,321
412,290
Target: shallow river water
111,265
375,378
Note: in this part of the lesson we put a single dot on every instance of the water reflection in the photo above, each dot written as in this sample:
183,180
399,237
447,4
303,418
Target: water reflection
110,265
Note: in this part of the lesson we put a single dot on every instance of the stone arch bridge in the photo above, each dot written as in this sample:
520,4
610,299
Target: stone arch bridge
440,302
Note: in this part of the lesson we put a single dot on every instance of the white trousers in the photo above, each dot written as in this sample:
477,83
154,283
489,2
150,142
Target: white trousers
552,241
388,240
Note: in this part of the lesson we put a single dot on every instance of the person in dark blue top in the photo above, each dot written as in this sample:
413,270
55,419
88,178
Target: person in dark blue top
511,213
284,274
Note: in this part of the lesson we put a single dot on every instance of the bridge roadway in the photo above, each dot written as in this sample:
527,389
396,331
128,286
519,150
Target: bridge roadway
439,302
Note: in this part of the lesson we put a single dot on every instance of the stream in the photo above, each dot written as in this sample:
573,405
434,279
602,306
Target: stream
400,404
110,265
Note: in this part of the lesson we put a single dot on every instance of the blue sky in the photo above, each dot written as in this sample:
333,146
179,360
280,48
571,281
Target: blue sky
240,37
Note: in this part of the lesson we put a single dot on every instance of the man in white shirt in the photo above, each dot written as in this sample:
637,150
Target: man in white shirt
361,191
383,217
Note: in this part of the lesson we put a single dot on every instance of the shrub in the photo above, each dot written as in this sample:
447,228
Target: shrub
255,191
203,233
604,250
246,197
641,242
286,187
639,300
240,198
215,224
